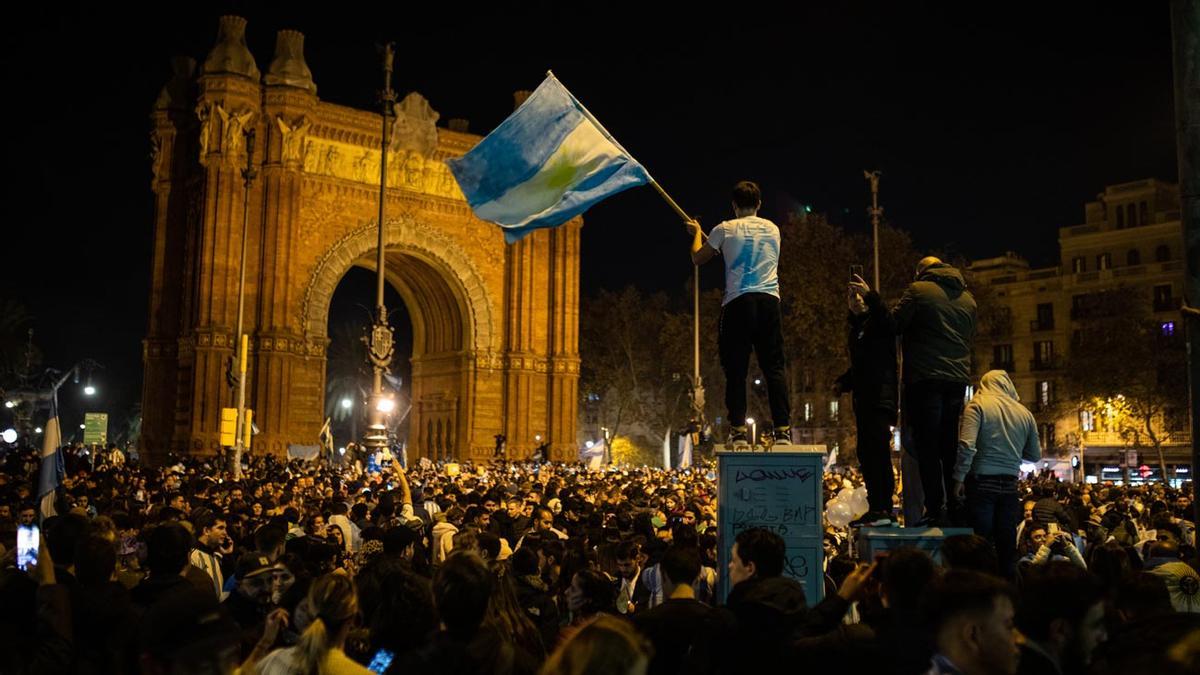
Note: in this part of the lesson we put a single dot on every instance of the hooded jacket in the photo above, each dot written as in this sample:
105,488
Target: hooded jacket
997,432
936,318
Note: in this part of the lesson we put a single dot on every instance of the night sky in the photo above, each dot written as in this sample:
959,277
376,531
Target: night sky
992,124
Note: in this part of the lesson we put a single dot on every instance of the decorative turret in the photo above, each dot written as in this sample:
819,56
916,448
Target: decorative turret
288,67
230,54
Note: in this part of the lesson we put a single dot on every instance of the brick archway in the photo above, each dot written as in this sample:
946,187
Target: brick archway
495,326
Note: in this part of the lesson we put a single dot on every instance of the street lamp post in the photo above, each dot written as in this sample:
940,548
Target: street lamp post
379,346
240,340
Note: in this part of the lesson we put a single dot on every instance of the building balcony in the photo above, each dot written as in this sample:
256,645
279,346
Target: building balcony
1037,326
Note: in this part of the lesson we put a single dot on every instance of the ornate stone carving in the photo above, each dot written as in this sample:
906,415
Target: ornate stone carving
292,139
157,153
415,127
206,113
234,125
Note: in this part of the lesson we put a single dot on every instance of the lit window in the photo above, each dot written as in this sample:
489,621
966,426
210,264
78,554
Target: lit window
808,412
970,391
1086,421
1044,392
1168,328
834,407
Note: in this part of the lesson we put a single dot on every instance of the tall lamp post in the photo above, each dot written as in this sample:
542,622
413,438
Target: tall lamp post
379,346
239,371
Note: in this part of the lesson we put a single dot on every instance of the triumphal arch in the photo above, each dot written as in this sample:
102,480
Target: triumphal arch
495,344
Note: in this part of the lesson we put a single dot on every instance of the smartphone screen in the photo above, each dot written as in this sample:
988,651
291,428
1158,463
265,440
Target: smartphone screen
27,546
381,661
856,270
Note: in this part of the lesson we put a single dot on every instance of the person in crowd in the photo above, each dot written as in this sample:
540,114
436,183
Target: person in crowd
997,434
871,380
750,315
1062,618
332,608
212,542
604,644
970,617
935,318
678,627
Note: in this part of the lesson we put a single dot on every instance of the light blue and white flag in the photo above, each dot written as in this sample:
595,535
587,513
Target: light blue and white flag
50,472
685,451
547,163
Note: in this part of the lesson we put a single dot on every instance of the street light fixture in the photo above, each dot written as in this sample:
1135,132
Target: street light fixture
83,426
89,390
37,430
385,404
347,403
10,404
9,435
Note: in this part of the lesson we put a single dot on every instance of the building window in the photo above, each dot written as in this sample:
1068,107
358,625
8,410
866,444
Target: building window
1120,218
1168,329
1045,316
808,412
1143,213
1002,357
1043,354
1131,215
1134,257
1163,300
1079,265
835,407
1104,261
1162,253
970,392
1047,435
1086,421
1045,393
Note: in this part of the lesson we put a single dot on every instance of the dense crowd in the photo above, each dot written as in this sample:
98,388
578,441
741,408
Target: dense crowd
521,568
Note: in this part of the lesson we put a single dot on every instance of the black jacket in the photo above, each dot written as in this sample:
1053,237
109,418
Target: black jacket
761,618
936,318
872,344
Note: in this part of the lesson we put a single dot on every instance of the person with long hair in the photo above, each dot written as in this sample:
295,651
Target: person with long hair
604,645
333,606
504,613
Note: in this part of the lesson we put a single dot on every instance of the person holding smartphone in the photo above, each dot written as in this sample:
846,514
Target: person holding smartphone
871,379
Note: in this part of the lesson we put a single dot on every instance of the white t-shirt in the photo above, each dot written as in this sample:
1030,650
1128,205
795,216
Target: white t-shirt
750,247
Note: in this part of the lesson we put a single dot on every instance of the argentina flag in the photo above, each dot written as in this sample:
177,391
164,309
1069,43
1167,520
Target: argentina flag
547,163
51,471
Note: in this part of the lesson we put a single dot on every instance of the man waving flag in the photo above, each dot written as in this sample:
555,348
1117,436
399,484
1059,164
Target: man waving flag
547,163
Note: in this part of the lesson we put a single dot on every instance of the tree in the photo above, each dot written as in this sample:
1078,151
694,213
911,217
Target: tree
1123,362
625,362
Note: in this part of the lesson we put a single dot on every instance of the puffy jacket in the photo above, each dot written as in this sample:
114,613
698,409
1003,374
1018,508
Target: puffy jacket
936,318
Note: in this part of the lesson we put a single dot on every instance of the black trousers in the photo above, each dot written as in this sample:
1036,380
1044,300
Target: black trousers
933,409
874,426
751,322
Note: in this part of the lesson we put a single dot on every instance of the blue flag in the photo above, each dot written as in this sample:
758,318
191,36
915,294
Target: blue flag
547,163
50,472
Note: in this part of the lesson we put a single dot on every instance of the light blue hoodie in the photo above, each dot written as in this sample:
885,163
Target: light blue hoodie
997,432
